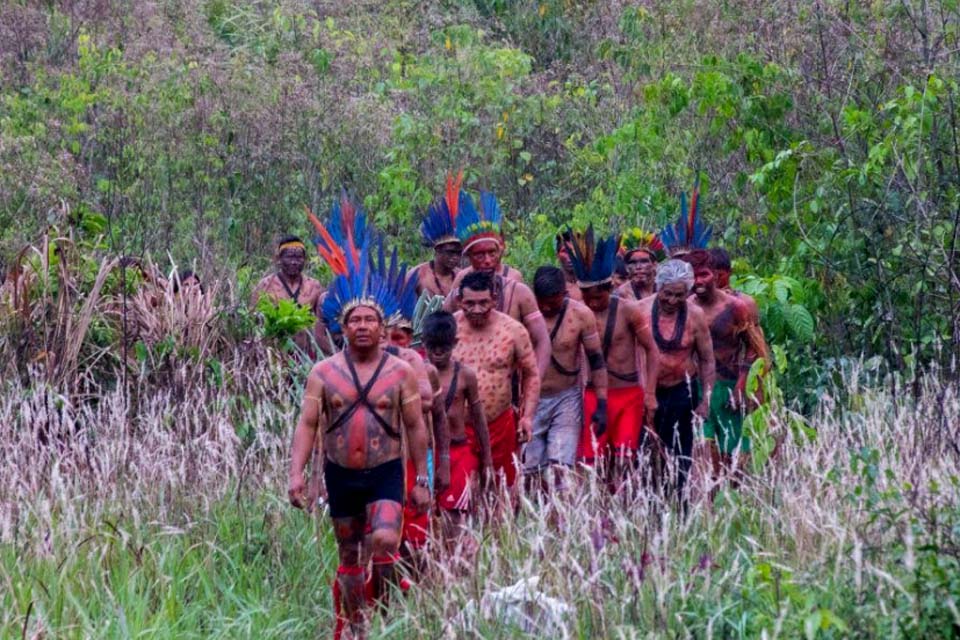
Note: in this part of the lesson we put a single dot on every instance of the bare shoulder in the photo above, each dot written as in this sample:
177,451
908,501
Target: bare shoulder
468,373
696,315
327,365
514,274
624,291
264,282
581,312
398,362
646,304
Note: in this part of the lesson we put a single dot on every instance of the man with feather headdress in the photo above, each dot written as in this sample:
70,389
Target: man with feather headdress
365,404
623,331
439,231
480,232
641,253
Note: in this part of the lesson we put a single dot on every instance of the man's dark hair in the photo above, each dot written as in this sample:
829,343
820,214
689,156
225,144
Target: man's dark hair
477,281
620,267
549,281
698,259
720,259
183,276
439,330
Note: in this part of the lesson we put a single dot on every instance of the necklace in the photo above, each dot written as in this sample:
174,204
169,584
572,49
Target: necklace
673,344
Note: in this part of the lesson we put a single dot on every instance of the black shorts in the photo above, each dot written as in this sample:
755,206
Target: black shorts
349,491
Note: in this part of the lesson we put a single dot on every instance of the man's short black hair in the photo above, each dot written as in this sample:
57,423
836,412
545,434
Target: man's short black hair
549,281
477,281
439,330
720,259
620,267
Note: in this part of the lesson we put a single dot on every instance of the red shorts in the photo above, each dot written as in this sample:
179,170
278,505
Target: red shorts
624,423
415,525
504,447
464,464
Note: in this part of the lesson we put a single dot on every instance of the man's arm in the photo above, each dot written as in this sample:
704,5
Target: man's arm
305,437
479,419
640,320
452,302
411,411
529,381
535,324
441,433
704,347
754,347
590,340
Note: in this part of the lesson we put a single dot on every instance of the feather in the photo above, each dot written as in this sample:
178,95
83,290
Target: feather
453,195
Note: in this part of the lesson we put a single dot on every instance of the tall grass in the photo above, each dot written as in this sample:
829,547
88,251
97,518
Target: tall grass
165,523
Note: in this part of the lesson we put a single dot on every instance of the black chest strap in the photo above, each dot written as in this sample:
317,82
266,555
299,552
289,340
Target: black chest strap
608,330
363,400
452,390
553,334
294,295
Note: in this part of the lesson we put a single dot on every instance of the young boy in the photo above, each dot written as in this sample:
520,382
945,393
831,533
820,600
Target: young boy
470,455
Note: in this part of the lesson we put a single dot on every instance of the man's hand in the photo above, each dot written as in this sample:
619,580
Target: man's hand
654,442
599,419
486,475
420,497
525,430
703,409
297,492
650,407
441,480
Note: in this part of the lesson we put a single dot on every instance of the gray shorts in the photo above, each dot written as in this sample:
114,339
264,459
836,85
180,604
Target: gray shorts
556,431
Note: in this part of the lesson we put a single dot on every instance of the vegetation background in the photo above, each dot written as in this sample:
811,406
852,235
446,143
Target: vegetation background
193,132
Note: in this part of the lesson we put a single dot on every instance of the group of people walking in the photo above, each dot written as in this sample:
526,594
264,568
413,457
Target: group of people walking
412,423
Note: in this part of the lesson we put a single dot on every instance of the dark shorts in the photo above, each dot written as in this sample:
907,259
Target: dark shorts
349,491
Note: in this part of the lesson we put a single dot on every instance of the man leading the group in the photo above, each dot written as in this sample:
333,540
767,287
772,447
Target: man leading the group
559,418
480,232
362,402
497,347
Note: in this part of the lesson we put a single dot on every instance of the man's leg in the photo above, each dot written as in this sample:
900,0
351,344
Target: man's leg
386,519
535,451
563,438
350,585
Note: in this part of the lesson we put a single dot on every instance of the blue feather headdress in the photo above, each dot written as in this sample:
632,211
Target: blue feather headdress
344,243
440,224
689,232
475,225
402,290
593,260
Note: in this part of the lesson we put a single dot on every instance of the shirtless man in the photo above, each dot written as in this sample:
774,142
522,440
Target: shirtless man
722,269
624,331
563,257
686,354
737,343
361,401
559,418
471,464
438,230
289,283
483,245
496,346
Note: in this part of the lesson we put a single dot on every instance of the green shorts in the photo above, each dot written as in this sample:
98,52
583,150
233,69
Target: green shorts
725,425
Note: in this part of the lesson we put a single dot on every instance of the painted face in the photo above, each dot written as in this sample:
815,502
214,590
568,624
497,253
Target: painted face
672,296
448,255
596,298
363,327
551,305
704,281
485,256
292,261
641,268
439,355
400,337
477,306
563,257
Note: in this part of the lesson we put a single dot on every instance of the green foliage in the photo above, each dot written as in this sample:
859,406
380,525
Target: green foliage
284,318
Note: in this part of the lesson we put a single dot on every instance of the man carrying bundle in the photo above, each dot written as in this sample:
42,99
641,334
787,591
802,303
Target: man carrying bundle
289,283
